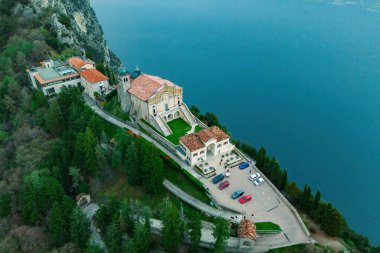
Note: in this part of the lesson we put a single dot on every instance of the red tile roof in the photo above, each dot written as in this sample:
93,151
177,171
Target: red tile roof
247,229
77,62
146,86
196,141
192,142
93,75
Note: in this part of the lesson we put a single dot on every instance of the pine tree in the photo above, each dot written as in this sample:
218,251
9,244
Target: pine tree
93,247
173,228
89,146
133,164
284,180
275,176
57,225
195,226
153,172
5,204
332,222
79,227
221,234
316,201
54,119
114,237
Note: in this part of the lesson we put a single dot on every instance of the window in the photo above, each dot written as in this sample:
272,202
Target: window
225,143
219,145
202,152
195,154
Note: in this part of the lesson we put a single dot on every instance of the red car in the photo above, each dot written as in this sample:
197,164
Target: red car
244,199
224,184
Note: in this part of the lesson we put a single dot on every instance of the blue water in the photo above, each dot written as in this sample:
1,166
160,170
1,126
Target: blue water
301,78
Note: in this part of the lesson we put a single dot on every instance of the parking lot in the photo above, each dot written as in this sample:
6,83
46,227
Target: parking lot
266,204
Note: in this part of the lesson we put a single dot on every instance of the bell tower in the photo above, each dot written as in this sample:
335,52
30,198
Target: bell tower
124,85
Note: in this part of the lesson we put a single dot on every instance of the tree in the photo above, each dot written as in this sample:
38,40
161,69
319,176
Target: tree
133,163
195,226
316,201
56,225
85,151
75,176
306,199
114,237
5,204
93,247
173,227
79,227
332,222
221,234
275,175
54,119
153,170
293,193
100,67
125,221
141,238
284,180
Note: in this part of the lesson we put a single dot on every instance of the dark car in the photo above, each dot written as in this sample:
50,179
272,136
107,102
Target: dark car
224,185
244,165
218,178
237,194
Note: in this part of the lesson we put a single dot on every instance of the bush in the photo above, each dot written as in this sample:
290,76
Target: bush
5,204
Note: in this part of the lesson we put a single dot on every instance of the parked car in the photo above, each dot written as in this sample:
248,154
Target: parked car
254,176
244,165
224,184
258,181
244,199
237,194
227,174
218,178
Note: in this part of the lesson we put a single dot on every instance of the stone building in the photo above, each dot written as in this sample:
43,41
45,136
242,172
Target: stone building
153,99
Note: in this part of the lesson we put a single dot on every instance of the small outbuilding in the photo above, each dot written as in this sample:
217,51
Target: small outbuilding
247,235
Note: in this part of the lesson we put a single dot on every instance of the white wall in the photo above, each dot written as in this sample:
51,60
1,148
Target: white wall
58,87
90,89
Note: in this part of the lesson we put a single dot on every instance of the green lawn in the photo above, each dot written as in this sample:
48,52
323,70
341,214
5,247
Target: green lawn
198,128
113,107
267,226
179,128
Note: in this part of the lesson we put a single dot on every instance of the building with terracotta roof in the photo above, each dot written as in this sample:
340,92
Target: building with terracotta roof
94,82
247,235
194,148
80,64
52,76
153,99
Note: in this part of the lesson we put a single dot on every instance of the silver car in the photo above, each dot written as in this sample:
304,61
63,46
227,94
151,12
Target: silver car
254,176
258,181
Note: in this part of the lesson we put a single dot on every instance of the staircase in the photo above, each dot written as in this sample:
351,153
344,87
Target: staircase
189,116
163,126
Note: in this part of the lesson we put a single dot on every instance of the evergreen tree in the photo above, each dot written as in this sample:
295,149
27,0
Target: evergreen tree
275,176
332,222
153,172
173,228
54,119
195,226
79,227
141,238
306,199
221,234
114,237
293,193
89,145
56,225
93,247
316,201
100,67
261,158
5,204
133,164
284,180
125,221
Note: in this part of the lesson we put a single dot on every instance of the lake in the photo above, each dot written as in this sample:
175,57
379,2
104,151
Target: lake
301,78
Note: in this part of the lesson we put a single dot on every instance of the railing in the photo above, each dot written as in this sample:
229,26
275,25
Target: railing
186,111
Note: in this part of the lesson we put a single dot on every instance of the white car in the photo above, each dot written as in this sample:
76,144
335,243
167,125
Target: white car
254,176
258,181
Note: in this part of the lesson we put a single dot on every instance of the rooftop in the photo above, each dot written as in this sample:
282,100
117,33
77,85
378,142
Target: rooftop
93,76
197,141
145,86
55,72
78,62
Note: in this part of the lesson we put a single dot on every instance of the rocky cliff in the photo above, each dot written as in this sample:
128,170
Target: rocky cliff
76,25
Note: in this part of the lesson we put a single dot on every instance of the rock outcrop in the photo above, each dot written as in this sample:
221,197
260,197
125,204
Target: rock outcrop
76,25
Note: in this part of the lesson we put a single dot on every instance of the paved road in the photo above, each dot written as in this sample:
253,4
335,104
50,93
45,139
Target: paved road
90,211
200,205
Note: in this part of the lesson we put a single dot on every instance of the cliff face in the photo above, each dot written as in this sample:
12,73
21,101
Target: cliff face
76,24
